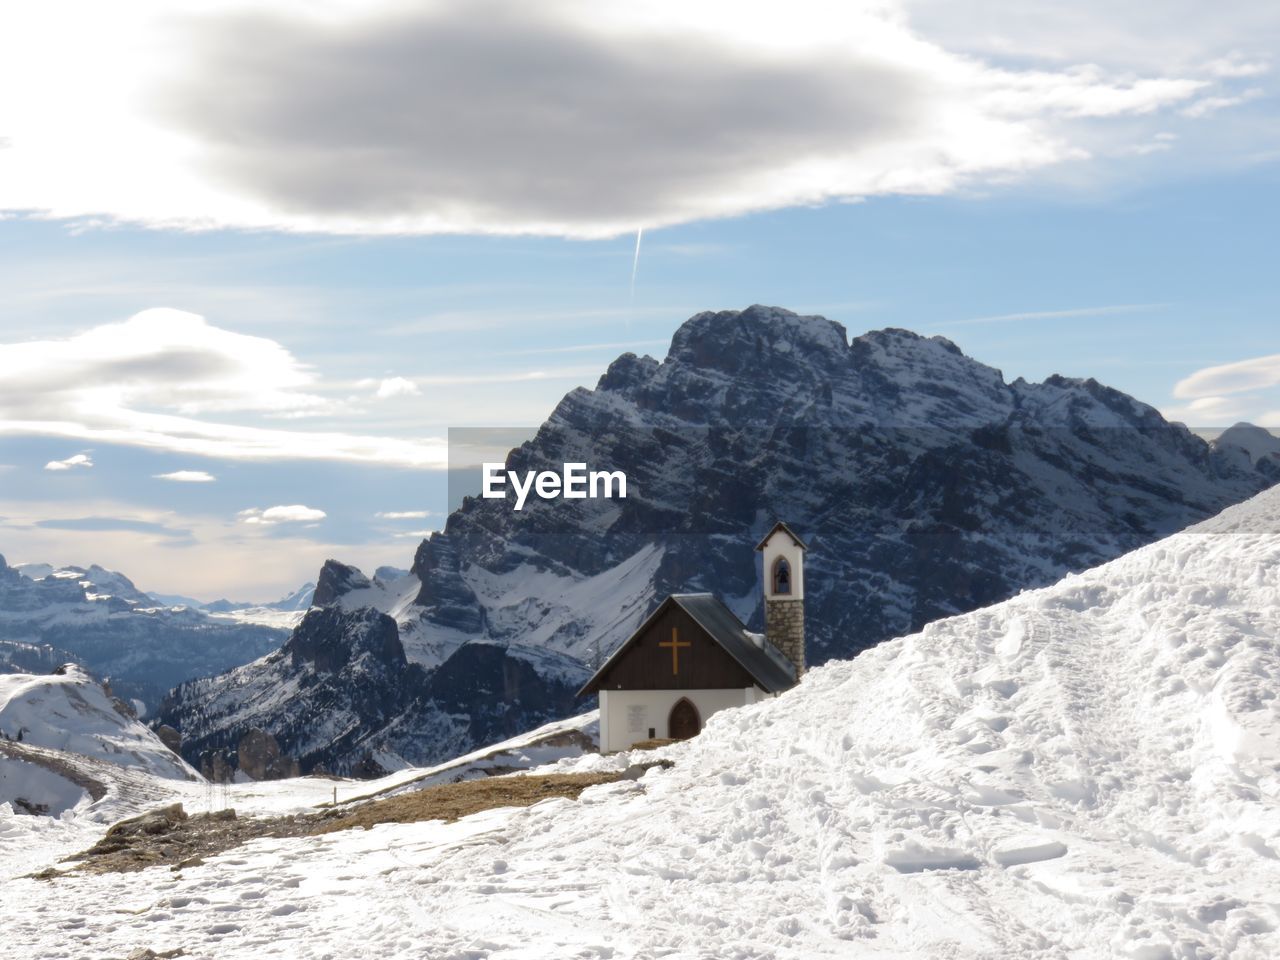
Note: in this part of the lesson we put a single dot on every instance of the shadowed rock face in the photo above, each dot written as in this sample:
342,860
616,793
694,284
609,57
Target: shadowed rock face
329,640
259,755
337,579
341,697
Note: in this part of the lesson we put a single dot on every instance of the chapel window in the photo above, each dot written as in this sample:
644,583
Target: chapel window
781,576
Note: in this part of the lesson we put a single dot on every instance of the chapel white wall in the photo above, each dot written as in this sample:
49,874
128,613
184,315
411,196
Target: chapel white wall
627,715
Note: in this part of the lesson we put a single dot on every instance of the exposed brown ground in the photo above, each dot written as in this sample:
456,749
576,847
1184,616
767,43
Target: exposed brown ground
167,836
454,800
561,738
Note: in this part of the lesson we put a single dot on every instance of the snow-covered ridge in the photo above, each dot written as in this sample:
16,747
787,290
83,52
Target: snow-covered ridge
1091,769
71,713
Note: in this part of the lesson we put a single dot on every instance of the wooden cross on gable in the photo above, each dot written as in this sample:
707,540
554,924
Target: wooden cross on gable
674,645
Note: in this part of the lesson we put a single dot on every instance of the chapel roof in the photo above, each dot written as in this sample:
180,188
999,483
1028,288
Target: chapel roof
795,537
765,662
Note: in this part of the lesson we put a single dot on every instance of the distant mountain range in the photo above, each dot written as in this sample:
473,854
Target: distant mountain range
97,618
298,600
926,484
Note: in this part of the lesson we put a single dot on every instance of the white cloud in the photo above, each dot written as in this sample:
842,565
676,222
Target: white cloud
194,554
1230,378
153,381
1208,105
78,460
396,387
293,513
1103,311
404,515
1219,39
1234,65
162,358
414,534
1210,411
364,117
187,476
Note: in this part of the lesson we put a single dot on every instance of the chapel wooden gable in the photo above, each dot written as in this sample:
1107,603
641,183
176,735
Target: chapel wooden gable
693,642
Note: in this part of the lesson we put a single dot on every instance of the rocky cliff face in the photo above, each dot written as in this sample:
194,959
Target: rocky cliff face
340,696
925,484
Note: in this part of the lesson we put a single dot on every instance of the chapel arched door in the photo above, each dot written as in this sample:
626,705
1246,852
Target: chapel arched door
684,721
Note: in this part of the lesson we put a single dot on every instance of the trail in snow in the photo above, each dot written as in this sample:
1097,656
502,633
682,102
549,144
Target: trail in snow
1089,770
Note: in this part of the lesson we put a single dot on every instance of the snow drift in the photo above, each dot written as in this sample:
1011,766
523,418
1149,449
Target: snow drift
1086,770
70,712
1091,769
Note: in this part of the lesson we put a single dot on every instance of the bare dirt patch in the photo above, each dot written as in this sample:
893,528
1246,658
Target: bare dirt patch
168,836
453,800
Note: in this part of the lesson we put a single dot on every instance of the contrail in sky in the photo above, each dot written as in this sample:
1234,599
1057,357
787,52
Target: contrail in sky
635,264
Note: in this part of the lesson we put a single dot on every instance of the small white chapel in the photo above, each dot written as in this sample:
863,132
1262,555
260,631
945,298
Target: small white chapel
693,657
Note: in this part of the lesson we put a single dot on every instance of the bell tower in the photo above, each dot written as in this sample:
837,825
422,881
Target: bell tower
784,592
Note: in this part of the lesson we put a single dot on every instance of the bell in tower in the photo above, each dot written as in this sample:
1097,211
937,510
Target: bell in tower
784,592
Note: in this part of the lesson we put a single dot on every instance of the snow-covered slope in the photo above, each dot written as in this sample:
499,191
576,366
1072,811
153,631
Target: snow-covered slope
1087,770
1091,770
71,711
285,613
108,792
75,720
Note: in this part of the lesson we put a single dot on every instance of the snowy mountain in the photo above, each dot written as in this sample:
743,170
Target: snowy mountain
99,619
70,715
925,483
927,486
297,601
341,696
1085,770
283,614
1256,445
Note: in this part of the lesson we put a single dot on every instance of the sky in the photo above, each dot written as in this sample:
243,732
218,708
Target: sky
256,265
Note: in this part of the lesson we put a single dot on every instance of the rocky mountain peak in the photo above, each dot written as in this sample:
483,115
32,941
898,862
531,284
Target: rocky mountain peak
337,579
626,372
1257,442
329,639
767,340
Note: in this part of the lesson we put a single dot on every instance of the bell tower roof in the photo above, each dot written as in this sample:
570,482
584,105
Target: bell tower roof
781,527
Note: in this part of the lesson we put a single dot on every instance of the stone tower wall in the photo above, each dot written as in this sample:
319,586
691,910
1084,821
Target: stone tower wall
784,628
